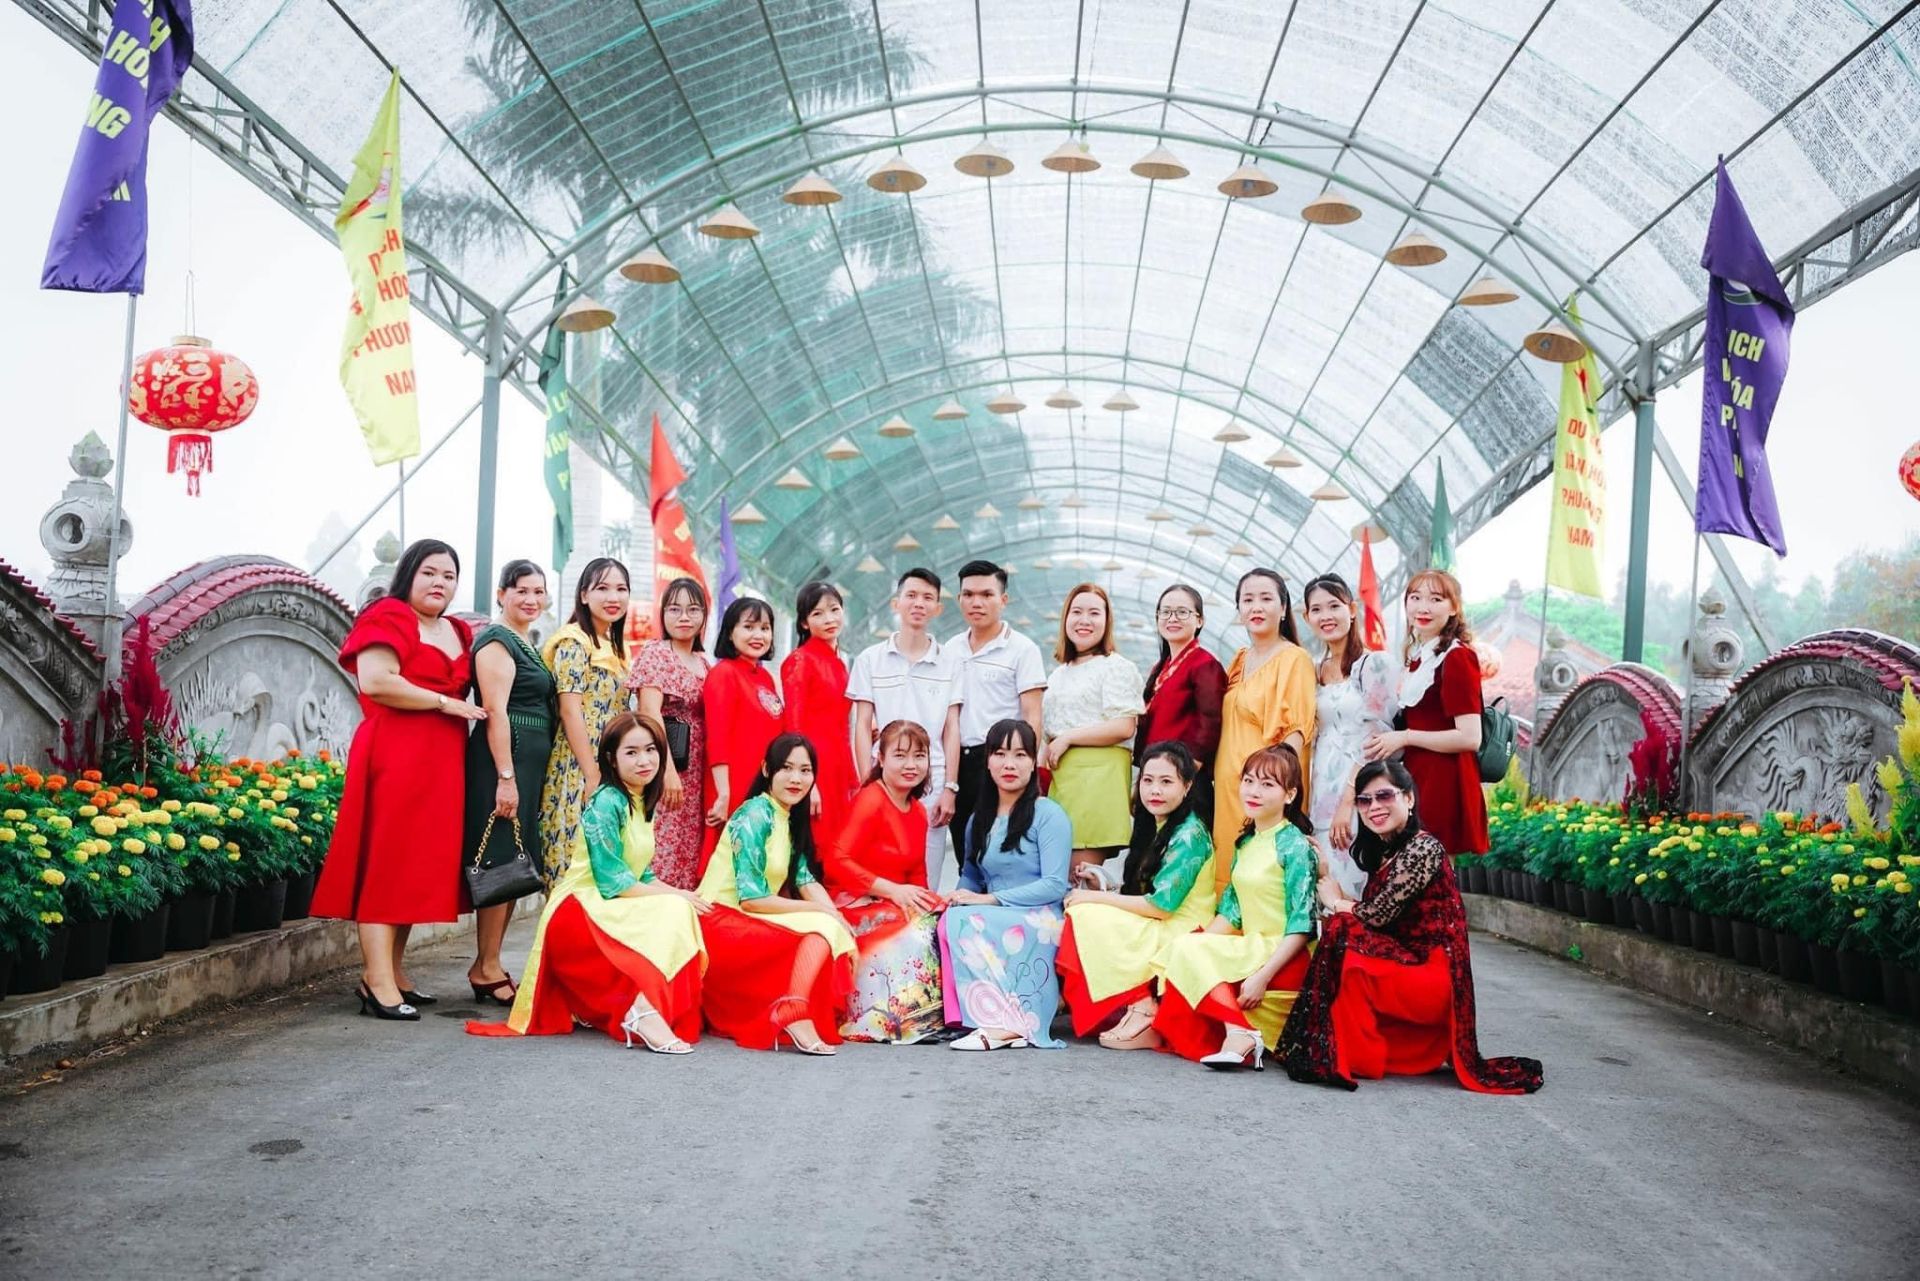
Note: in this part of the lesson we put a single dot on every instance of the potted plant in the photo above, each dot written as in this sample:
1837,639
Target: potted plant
33,930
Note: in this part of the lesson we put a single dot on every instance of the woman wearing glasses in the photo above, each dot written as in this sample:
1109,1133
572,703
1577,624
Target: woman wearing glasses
668,676
1183,694
1390,988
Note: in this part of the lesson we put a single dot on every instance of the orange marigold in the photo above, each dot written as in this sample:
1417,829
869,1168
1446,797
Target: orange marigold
86,786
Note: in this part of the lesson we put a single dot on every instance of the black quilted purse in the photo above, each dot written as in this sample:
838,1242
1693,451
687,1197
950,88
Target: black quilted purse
504,881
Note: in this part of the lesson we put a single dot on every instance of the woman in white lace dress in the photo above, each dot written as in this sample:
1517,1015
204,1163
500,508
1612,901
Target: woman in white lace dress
1356,699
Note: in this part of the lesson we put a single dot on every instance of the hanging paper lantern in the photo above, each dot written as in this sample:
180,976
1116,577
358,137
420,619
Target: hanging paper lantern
189,390
1910,469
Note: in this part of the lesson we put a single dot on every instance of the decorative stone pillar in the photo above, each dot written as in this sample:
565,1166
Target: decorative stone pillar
386,556
75,533
1553,679
1715,651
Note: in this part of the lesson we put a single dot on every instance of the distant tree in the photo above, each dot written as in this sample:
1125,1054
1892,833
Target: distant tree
1880,590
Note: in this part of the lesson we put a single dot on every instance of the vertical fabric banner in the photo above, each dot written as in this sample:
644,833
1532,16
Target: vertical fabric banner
1440,540
553,384
376,354
99,242
729,562
673,555
1373,623
1749,337
1576,535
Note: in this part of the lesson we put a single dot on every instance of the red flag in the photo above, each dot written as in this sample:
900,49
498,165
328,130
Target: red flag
1373,624
673,554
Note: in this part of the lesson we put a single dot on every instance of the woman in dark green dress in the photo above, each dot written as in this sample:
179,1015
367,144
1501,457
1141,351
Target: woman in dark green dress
507,755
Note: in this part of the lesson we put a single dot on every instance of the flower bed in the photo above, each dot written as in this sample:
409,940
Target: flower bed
1823,901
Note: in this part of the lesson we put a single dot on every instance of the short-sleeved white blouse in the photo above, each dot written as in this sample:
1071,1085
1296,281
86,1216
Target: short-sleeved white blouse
1092,690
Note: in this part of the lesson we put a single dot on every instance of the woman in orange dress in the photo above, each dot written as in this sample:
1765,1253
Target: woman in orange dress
743,711
813,684
1271,700
395,857
877,873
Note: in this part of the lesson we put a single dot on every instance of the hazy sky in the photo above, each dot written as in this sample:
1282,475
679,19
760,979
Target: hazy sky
274,292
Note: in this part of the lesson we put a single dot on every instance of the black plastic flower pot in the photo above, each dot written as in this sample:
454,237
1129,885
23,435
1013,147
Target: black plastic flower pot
300,896
139,938
1826,967
1642,916
88,946
1510,885
1700,930
6,973
1860,976
1769,950
1623,911
1794,964
1543,892
190,921
1893,987
259,907
1557,894
1599,906
1576,901
1663,922
37,972
1722,936
1746,942
222,916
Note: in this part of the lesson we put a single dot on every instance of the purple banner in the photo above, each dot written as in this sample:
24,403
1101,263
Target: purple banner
729,563
99,242
1744,365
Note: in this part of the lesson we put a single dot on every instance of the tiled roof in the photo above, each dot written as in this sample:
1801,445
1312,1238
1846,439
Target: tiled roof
188,596
27,587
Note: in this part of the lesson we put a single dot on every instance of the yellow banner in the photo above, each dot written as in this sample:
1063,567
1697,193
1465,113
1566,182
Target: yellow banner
376,354
1576,546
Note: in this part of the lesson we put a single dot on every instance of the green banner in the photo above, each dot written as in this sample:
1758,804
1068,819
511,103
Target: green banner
1440,538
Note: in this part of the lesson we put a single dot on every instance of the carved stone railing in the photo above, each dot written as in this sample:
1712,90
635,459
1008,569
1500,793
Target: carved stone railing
1581,753
248,647
1802,725
49,670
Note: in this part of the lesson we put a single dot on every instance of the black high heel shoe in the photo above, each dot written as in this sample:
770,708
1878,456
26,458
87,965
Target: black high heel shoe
370,1004
412,997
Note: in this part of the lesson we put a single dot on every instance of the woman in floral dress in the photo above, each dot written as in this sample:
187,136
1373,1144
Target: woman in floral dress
667,678
588,658
1356,700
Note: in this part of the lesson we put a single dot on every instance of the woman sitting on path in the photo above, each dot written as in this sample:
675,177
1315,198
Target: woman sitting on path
1228,988
877,874
616,949
1002,925
1115,944
1390,989
777,967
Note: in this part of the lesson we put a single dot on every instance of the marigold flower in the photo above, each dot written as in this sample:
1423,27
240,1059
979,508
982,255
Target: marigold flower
1904,887
8,836
1787,869
1877,863
1640,879
176,842
234,857
124,870
1859,912
208,843
53,876
89,811
133,846
14,816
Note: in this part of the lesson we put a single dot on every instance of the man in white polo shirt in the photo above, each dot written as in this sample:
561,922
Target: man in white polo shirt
911,676
1002,678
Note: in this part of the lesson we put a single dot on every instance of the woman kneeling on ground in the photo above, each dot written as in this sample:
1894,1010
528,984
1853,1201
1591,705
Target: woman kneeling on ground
1391,988
1228,989
777,967
616,948
1115,944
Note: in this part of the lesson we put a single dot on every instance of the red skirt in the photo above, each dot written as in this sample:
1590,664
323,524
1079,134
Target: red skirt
1088,1014
750,966
1194,1033
395,854
1391,1018
588,975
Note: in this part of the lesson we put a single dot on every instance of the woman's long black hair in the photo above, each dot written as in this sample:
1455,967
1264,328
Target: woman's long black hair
810,596
590,577
799,824
1370,849
1288,628
986,805
1145,856
407,568
1166,650
738,612
607,756
1284,763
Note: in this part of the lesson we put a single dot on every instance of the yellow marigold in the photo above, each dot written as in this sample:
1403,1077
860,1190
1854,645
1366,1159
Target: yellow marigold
1787,869
1896,876
53,876
1749,829
1904,887
1760,849
1877,863
1661,874
1838,878
1859,912
176,842
233,857
232,847
124,870
291,812
104,826
236,812
308,782
1859,880
87,811
132,846
209,843
14,816
60,823
279,794
1613,862
81,856
306,840
8,836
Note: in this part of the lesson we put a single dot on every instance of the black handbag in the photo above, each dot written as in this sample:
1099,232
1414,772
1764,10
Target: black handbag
679,741
489,884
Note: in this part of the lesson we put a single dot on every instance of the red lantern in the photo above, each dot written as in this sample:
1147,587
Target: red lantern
1910,469
190,391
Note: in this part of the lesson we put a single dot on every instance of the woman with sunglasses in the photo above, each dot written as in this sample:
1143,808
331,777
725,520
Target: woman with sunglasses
1390,988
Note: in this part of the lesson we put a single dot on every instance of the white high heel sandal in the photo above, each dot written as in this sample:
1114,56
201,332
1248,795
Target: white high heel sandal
631,1026
1226,1060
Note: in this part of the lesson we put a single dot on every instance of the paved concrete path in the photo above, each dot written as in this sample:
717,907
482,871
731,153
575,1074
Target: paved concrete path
295,1139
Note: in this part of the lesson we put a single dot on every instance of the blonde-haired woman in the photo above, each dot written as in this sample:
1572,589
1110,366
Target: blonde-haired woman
1089,711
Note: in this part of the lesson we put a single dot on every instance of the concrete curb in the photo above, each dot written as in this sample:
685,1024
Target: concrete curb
76,1017
1866,1040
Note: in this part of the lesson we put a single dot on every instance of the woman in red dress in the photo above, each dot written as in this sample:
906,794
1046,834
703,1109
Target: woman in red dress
395,858
1183,694
1390,988
1440,706
743,712
813,682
